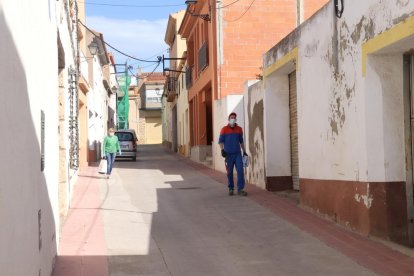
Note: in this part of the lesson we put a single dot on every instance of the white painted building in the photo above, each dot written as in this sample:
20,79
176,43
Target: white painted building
175,107
183,121
98,97
336,117
35,76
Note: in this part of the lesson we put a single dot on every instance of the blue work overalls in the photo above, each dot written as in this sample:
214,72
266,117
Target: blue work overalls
231,161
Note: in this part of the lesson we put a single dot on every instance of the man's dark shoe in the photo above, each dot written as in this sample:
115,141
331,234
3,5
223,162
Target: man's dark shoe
242,193
231,192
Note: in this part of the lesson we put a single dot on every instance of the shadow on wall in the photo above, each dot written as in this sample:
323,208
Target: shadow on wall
27,232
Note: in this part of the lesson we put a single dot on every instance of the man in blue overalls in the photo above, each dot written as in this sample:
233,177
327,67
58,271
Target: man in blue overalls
231,139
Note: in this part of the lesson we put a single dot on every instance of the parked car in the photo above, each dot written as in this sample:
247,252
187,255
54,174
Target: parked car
128,143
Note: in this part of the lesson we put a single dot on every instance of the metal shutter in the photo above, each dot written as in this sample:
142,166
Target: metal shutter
294,150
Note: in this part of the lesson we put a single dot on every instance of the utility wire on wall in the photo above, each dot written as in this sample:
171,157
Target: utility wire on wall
248,8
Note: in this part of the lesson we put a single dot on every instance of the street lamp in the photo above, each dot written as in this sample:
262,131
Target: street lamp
93,47
190,5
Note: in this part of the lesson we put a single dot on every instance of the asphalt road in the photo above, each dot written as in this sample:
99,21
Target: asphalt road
163,217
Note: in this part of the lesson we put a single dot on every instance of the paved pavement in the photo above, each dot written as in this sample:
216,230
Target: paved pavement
165,215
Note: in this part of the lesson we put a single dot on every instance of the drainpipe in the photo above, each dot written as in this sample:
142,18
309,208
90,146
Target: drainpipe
219,19
299,12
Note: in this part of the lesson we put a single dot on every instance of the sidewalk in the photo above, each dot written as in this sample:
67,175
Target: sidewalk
83,248
368,253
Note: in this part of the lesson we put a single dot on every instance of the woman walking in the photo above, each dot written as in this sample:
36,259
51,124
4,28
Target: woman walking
110,148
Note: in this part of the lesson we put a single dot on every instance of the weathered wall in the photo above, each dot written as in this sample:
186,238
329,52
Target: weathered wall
254,133
350,113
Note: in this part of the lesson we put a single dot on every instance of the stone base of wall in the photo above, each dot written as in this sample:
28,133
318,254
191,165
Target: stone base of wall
182,149
167,144
200,152
371,208
279,183
92,156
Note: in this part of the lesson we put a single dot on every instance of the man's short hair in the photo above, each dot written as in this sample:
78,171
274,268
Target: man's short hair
231,114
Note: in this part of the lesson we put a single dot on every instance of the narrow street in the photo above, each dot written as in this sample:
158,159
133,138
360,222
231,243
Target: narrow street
162,215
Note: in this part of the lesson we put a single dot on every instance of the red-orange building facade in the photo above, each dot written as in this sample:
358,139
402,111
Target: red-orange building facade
225,51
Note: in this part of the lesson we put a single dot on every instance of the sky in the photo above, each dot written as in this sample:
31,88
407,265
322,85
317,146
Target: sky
135,27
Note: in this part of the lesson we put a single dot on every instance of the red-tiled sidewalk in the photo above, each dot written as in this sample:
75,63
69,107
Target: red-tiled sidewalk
370,254
82,249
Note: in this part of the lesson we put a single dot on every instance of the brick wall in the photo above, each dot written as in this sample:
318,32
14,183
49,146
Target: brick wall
246,37
312,6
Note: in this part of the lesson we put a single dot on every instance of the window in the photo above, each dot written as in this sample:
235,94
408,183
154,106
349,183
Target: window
154,99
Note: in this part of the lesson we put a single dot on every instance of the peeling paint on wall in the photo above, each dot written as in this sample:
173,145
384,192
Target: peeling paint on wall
256,171
365,199
402,3
341,98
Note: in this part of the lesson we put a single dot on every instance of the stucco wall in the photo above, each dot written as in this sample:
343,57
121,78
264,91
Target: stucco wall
339,108
254,133
352,161
183,118
29,77
133,116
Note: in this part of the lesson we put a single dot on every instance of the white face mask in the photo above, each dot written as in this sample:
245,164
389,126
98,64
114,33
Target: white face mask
232,122
111,134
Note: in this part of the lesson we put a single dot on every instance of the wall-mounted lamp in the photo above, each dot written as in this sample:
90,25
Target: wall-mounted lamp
93,48
190,4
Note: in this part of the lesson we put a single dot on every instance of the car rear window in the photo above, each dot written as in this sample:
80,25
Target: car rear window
124,136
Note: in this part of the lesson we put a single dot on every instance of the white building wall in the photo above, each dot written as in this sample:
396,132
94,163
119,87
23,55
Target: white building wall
350,98
276,125
97,103
29,77
183,115
385,137
350,119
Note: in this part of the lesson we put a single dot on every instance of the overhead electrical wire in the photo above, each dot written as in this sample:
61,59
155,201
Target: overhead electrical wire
225,6
248,8
115,49
146,76
131,6
155,55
